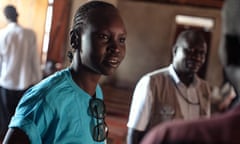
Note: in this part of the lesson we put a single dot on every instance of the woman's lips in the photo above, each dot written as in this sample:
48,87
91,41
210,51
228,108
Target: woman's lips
112,62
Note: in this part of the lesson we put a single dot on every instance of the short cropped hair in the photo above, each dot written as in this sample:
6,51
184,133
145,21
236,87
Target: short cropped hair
191,36
11,13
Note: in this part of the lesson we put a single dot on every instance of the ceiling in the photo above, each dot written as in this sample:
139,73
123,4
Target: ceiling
198,3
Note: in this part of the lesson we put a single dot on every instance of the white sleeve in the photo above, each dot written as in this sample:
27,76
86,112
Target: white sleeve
141,105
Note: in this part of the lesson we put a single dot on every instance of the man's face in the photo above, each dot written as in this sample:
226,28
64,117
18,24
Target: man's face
103,41
189,57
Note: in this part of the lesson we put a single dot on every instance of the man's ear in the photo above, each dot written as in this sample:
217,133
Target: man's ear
75,39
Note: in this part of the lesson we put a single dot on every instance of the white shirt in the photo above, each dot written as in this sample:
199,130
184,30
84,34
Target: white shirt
189,111
142,101
20,62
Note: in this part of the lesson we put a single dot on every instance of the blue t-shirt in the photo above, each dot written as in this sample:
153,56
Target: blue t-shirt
56,111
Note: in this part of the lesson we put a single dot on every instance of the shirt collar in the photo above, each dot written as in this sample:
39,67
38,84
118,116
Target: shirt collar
176,79
173,74
12,24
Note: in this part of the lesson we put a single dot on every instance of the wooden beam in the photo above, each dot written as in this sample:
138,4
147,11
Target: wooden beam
198,3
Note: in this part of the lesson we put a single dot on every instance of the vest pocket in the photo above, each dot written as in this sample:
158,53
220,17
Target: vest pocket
166,112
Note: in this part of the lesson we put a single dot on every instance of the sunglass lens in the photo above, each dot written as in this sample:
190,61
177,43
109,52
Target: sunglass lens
100,132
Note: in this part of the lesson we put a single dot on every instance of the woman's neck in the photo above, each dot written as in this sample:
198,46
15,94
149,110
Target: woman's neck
85,79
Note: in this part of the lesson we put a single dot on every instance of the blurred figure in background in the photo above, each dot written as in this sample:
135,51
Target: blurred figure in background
20,65
223,97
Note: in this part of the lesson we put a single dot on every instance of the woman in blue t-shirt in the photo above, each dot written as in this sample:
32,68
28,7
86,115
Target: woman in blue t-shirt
67,106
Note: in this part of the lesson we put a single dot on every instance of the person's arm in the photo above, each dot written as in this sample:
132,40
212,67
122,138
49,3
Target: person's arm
134,136
16,136
139,111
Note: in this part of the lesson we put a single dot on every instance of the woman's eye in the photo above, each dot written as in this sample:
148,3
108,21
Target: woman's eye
122,40
104,37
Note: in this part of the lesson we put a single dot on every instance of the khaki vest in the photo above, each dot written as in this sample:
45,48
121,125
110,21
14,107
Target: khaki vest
164,97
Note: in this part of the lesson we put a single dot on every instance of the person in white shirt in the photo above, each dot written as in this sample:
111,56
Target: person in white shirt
20,65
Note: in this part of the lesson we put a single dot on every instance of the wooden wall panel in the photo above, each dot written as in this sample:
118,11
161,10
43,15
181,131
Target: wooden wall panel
198,3
59,31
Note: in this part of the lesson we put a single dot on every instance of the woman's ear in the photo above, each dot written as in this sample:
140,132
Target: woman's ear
74,39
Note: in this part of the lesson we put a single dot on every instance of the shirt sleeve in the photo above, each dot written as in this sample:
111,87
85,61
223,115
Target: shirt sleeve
141,105
28,127
32,116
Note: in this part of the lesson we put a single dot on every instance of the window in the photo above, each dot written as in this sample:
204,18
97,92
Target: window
205,23
47,30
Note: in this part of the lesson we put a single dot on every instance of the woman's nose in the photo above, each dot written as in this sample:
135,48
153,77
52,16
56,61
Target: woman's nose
114,47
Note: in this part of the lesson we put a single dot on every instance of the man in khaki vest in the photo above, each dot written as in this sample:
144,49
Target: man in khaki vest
222,128
174,92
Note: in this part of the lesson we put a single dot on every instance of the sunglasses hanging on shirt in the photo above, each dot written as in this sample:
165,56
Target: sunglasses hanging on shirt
98,111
